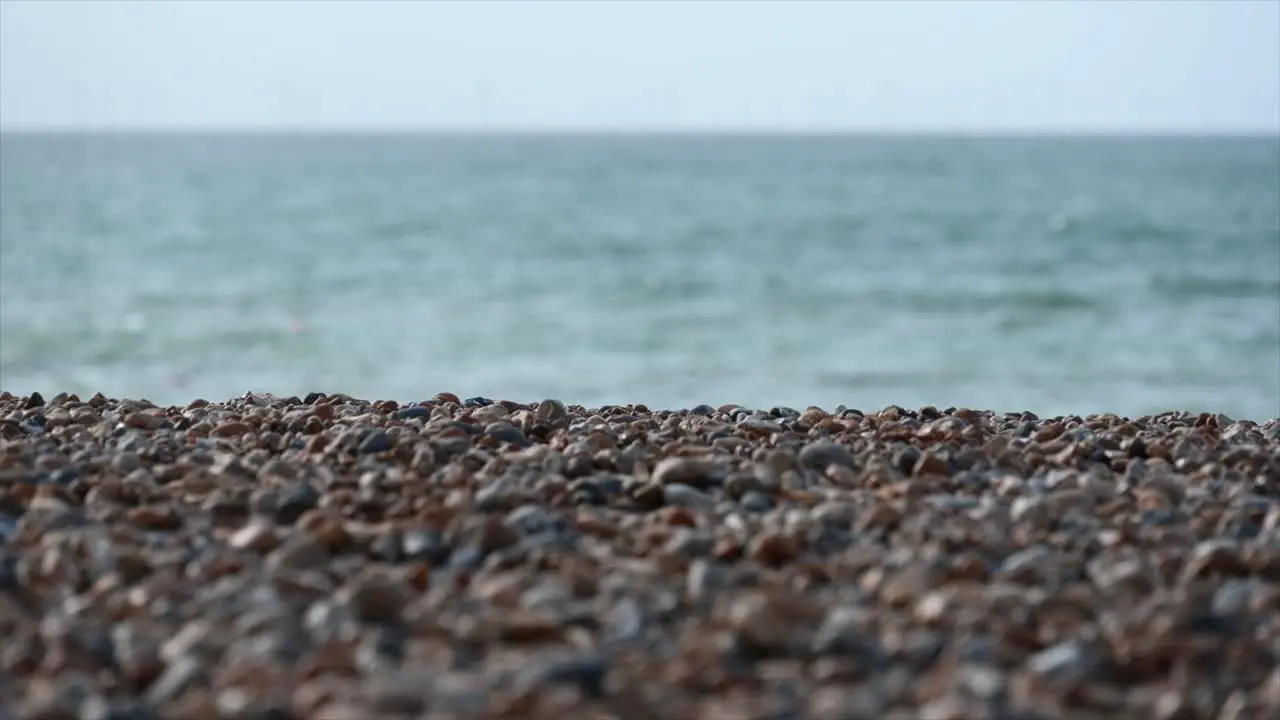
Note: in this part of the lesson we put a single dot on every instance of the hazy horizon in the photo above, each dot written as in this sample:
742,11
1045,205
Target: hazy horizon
988,68
641,132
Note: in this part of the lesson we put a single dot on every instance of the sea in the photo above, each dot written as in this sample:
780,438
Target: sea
1057,275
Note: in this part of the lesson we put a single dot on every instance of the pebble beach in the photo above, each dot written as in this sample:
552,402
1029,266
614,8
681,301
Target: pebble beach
341,559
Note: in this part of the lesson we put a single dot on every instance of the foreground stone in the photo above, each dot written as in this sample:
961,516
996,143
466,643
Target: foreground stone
334,558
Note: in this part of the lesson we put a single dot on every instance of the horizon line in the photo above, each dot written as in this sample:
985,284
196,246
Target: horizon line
632,131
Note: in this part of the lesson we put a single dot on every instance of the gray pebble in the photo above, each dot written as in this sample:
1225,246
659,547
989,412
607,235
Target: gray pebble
375,442
8,527
531,519
684,496
1233,597
403,692
756,502
627,620
840,514
507,433
704,576
690,542
180,675
953,502
840,634
99,708
125,462
131,442
413,412
1064,662
425,545
587,673
466,558
1024,560
381,649
294,500
327,620
550,593
820,455
496,497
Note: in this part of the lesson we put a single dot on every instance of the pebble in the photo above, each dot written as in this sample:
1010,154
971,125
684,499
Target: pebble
415,411
337,558
687,497
374,598
687,471
375,442
821,455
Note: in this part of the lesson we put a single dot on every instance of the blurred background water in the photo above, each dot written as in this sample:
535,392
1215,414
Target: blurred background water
1065,275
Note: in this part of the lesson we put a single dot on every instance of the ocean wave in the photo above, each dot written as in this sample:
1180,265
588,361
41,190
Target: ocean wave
858,379
961,302
1181,287
928,378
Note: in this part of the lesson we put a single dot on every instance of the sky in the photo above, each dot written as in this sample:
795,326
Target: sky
910,65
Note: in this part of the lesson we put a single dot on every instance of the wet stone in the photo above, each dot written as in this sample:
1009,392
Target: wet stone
376,441
100,708
8,527
412,412
820,455
507,433
756,502
691,543
1066,661
532,519
686,471
585,673
466,558
294,500
681,495
425,545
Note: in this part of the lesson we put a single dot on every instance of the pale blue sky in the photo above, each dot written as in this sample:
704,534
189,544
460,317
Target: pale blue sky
1089,65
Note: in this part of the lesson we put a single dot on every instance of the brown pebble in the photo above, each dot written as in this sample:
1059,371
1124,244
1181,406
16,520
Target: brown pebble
677,517
341,710
230,429
326,527
155,517
772,549
257,536
374,598
528,628
930,464
683,470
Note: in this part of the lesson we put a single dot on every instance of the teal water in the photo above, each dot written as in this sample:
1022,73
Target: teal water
1052,275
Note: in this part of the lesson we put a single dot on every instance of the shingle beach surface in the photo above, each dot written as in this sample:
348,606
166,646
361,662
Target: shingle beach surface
333,558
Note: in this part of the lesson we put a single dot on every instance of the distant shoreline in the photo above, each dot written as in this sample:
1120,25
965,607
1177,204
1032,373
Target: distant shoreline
445,399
